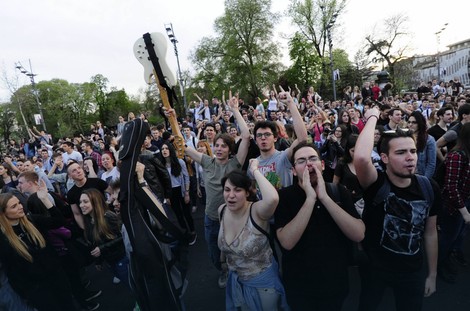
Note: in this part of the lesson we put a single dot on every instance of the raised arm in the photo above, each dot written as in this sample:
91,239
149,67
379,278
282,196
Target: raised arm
244,130
299,127
365,170
198,97
264,208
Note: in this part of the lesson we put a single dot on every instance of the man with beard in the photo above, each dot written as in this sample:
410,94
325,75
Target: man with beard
400,217
314,223
274,164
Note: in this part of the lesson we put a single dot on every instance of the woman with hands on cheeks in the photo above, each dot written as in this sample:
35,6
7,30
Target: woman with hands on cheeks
253,281
103,232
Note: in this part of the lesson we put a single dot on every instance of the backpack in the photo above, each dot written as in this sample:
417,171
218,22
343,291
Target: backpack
424,184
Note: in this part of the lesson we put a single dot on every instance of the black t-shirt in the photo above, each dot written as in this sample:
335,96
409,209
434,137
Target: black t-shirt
436,131
320,258
395,229
349,180
73,196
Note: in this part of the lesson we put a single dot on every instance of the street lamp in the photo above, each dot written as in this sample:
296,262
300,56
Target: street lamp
31,75
330,43
171,35
438,38
328,25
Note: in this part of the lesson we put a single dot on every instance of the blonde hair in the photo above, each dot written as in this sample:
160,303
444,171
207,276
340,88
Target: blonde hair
100,228
16,243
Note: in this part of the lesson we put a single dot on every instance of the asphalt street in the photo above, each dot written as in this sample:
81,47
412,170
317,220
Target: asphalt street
203,294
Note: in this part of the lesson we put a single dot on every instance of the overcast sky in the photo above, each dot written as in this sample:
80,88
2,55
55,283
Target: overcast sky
74,40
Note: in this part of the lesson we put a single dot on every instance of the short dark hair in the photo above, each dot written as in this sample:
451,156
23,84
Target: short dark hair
387,136
265,124
68,143
464,109
443,110
392,111
302,145
239,179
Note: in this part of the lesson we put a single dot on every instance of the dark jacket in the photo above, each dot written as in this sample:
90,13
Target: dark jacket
157,176
112,250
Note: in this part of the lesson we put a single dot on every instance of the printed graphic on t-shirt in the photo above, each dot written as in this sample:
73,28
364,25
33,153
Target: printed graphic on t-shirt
269,171
403,225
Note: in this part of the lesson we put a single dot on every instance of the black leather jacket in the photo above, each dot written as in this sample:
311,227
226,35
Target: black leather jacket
156,175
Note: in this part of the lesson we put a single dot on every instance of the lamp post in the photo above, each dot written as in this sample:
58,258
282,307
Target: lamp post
171,35
438,38
328,25
31,75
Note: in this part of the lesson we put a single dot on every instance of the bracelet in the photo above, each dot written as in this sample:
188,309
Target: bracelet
372,116
143,184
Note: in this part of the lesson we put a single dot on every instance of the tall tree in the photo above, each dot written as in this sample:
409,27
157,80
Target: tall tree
7,121
388,43
100,83
314,19
306,66
243,54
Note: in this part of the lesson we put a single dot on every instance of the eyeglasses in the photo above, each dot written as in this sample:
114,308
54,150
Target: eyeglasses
265,135
412,122
302,161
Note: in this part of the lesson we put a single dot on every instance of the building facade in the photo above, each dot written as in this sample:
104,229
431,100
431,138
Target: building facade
452,63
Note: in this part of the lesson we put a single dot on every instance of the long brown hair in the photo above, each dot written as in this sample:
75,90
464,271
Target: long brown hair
100,228
32,233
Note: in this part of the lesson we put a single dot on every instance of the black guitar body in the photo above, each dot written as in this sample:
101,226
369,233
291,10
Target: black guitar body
155,280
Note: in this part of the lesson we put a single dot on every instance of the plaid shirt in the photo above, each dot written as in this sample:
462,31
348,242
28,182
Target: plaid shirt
456,181
97,157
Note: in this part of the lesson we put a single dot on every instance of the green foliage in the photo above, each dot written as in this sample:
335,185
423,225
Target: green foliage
314,18
243,56
68,108
306,66
7,121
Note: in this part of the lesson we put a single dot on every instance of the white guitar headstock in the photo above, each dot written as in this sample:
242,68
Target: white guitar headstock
160,47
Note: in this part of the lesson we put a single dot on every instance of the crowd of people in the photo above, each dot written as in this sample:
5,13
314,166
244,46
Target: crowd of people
382,176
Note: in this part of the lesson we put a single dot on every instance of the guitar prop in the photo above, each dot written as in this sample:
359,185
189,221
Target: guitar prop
150,51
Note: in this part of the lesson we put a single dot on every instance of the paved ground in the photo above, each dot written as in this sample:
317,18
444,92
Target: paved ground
203,293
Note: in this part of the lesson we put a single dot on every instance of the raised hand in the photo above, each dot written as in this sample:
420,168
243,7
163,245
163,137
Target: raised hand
372,112
42,192
285,97
320,185
233,103
253,166
306,185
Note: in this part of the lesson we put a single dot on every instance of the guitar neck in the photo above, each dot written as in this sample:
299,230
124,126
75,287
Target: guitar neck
179,141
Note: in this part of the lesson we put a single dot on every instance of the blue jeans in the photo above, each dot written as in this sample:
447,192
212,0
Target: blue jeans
121,270
9,299
211,232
